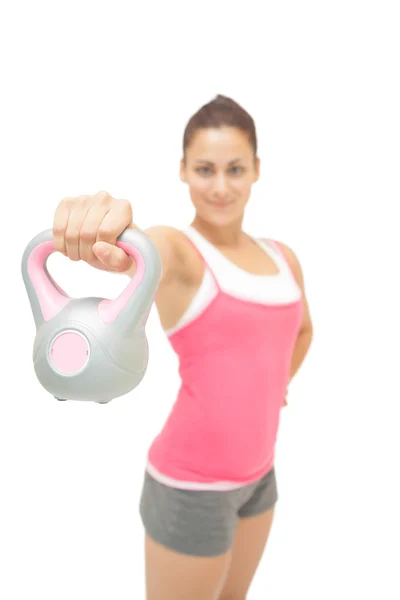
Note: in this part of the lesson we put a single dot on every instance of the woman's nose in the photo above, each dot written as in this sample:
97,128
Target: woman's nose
220,184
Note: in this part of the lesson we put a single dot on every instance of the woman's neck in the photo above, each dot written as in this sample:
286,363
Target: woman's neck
220,235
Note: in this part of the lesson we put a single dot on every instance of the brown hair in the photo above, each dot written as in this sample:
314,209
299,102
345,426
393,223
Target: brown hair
220,112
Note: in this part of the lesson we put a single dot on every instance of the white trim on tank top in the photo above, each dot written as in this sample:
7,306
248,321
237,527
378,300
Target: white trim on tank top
221,486
278,288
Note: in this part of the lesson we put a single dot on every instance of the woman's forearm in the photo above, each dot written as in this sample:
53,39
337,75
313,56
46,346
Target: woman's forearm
300,350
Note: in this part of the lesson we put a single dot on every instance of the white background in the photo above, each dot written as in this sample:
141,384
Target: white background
95,96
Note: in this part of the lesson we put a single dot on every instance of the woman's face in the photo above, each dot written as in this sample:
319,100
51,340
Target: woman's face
220,170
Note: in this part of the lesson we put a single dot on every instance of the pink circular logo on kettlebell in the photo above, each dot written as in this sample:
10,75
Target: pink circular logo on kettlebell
69,352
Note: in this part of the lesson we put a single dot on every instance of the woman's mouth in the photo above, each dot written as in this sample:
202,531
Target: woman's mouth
220,203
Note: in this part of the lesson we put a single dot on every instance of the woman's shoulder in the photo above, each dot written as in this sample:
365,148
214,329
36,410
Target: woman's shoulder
290,255
297,270
287,251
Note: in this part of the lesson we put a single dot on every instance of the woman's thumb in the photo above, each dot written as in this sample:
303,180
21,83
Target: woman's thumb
114,258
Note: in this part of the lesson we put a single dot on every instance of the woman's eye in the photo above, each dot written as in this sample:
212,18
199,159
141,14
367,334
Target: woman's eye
206,170
202,169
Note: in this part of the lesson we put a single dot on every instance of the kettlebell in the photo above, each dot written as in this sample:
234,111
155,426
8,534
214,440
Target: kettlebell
91,348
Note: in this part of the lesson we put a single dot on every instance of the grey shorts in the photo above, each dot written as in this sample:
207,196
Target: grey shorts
201,522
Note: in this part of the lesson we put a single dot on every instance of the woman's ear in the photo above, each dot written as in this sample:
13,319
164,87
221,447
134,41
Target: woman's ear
182,171
257,169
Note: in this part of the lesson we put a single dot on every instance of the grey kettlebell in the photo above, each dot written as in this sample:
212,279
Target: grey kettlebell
91,349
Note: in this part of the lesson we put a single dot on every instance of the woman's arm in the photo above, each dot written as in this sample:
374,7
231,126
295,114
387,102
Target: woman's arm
166,239
305,335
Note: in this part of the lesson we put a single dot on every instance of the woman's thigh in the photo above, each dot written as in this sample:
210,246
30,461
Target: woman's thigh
189,536
171,575
188,541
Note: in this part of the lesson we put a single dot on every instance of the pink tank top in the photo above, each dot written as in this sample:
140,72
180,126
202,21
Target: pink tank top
235,359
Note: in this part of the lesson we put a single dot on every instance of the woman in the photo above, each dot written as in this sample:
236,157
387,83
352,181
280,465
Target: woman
235,312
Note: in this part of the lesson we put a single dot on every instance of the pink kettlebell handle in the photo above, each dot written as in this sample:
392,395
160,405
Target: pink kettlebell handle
109,310
52,298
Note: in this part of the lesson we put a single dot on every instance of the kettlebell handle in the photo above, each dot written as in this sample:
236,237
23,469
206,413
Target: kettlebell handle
48,299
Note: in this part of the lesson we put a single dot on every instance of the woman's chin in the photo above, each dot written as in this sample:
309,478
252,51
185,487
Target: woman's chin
219,218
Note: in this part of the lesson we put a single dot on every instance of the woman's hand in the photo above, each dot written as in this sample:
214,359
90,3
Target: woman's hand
284,399
87,227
